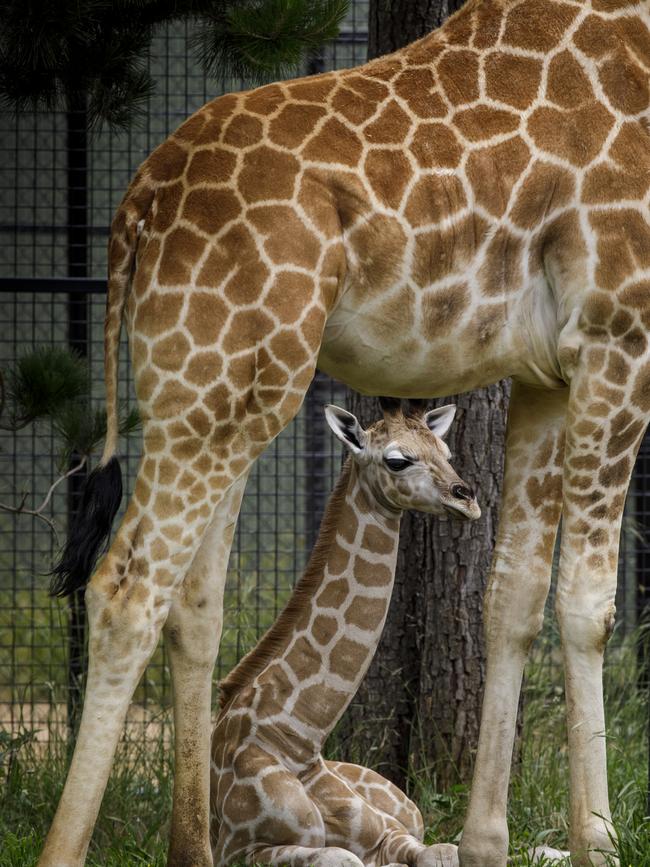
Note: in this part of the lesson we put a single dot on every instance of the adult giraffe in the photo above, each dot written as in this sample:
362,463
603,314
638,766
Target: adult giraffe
474,206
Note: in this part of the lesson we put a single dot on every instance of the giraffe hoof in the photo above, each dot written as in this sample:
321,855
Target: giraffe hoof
440,855
546,855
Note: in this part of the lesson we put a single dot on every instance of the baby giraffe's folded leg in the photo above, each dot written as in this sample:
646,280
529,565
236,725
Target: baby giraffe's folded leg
304,856
381,794
402,848
262,812
397,846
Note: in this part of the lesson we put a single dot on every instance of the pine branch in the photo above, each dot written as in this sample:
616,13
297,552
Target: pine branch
153,12
119,103
266,39
82,430
39,510
41,382
51,51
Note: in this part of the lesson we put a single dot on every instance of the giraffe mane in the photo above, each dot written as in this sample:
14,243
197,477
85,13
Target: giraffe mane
272,642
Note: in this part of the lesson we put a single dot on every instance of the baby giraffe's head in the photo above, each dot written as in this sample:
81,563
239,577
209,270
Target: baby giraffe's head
403,461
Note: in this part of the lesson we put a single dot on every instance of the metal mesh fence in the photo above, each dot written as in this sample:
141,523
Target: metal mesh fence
288,486
39,306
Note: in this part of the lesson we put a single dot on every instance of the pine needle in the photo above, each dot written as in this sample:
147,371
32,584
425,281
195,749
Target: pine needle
266,39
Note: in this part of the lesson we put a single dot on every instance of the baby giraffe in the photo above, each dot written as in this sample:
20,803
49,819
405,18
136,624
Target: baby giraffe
274,800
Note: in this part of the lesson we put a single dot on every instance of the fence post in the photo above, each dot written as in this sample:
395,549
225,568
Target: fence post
78,309
642,513
316,471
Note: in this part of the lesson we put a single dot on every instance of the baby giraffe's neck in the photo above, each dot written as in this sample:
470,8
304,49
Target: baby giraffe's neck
338,613
337,634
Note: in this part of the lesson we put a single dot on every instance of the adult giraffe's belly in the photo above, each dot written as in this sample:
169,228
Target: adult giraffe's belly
397,346
385,357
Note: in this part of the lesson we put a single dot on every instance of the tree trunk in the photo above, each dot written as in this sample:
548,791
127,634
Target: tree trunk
419,706
394,23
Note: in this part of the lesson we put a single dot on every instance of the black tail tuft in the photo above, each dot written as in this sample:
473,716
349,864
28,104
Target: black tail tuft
90,530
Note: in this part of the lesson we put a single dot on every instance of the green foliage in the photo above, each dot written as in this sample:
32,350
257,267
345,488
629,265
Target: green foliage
633,834
91,55
89,50
266,39
17,851
132,828
82,428
41,382
54,383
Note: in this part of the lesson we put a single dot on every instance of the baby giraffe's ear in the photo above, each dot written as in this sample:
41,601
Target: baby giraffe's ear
346,428
439,420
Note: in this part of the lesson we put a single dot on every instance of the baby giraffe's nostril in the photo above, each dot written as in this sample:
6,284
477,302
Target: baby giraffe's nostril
461,492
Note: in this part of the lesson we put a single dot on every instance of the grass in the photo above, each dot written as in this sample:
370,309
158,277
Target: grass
133,825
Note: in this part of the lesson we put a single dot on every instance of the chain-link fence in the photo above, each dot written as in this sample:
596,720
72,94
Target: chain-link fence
41,305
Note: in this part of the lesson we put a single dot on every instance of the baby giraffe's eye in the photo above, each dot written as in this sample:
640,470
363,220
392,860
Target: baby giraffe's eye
397,464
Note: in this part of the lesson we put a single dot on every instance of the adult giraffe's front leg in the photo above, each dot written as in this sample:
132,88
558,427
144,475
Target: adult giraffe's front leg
608,414
514,605
192,636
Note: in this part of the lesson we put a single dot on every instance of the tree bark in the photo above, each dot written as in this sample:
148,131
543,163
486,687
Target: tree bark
419,705
394,23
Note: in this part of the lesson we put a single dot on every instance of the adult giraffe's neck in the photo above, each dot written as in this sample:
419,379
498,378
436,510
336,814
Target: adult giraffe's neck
340,619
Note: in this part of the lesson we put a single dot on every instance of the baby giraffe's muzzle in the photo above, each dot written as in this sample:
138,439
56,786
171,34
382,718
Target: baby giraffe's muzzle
461,502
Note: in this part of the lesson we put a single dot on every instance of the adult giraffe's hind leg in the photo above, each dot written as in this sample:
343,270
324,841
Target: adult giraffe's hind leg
192,636
182,480
127,601
514,605
608,414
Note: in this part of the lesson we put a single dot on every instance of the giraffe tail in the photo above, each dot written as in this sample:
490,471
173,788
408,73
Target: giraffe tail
89,529
102,493
121,258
